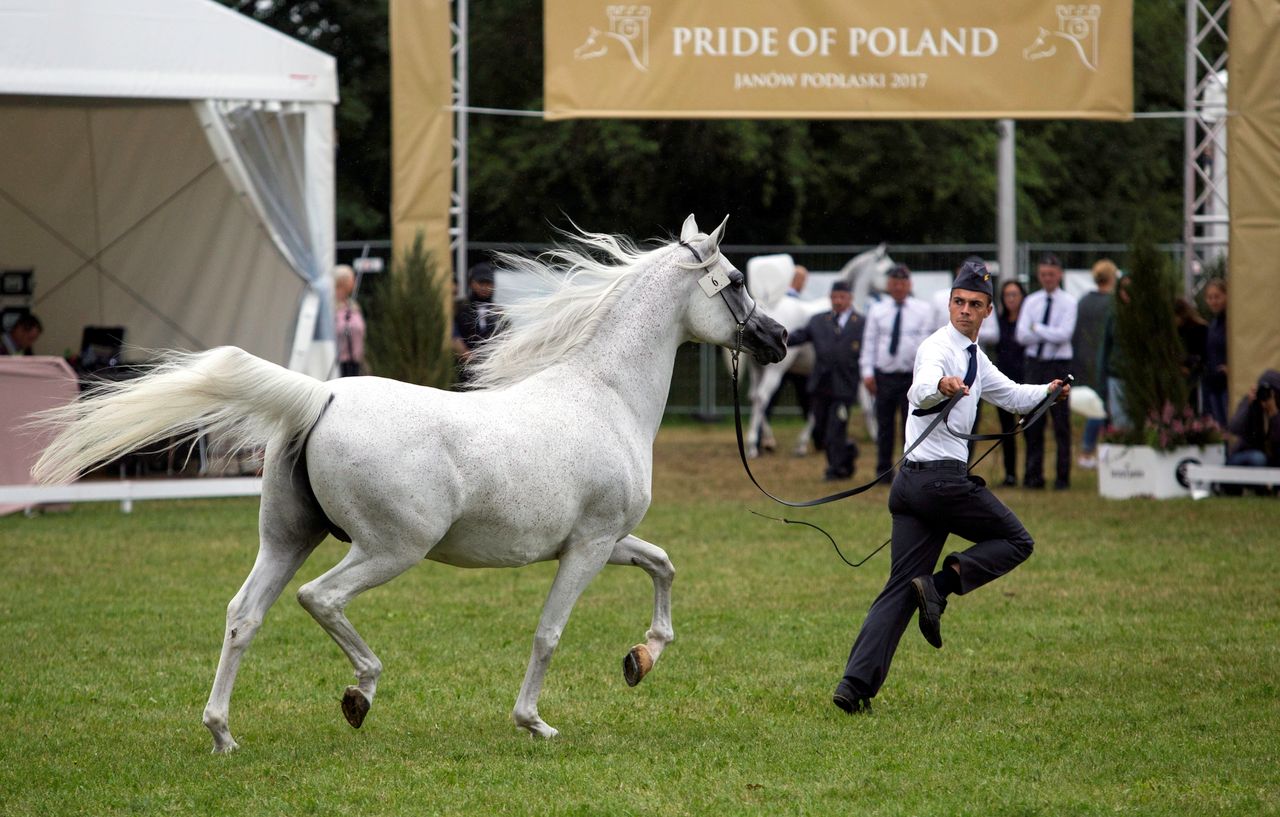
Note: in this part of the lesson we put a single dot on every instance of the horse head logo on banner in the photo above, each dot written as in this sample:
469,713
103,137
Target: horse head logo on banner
1078,28
628,32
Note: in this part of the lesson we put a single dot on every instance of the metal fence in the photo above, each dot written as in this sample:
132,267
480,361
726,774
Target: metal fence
700,385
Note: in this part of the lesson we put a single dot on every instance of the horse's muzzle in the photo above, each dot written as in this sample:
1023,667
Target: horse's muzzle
765,339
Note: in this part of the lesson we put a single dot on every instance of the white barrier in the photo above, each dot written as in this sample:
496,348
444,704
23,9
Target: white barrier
126,491
1202,477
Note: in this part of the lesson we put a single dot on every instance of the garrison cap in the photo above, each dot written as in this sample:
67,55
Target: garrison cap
899,271
973,276
841,286
481,273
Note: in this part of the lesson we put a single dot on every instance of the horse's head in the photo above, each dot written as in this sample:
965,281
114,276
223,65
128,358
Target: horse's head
866,271
719,302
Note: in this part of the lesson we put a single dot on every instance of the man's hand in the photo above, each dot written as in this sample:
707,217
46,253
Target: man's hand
950,385
1066,389
870,383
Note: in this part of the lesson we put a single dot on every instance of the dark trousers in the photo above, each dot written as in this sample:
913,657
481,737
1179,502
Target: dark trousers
928,504
1045,371
1009,445
891,414
831,424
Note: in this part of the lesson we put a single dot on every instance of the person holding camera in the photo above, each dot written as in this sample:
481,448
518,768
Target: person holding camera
1255,425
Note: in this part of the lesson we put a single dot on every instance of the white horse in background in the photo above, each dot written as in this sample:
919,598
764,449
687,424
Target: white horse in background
550,458
768,278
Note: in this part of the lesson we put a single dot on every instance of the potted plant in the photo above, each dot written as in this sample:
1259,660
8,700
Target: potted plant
1149,457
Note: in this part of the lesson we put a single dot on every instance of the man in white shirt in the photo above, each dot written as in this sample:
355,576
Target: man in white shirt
895,328
934,496
1045,326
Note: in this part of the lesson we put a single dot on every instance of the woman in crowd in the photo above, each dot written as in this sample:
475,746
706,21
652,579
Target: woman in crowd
1214,383
349,322
1010,359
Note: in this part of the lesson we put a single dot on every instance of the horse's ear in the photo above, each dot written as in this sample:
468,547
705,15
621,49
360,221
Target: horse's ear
882,250
689,230
714,238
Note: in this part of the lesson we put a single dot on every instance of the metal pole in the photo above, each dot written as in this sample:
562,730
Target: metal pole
1189,153
1006,201
460,221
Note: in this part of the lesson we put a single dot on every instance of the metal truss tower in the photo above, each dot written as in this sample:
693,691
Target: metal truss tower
461,100
1206,215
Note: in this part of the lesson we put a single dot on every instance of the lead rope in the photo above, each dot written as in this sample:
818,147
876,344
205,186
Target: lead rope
941,417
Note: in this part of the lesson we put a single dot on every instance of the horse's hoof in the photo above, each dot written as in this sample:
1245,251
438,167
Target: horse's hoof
225,748
637,664
355,706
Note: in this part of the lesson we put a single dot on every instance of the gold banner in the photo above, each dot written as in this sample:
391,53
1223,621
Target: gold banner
839,59
1253,151
421,127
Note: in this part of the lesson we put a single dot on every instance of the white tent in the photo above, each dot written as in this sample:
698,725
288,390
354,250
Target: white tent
167,166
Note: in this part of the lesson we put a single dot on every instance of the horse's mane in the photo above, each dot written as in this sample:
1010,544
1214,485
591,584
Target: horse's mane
543,330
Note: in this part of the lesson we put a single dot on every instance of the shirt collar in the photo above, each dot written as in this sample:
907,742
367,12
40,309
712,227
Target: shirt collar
957,338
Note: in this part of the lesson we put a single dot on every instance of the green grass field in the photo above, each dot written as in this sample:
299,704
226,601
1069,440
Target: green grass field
1131,666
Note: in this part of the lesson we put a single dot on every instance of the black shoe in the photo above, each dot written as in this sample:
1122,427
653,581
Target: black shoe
1010,481
851,702
1034,484
931,606
1061,485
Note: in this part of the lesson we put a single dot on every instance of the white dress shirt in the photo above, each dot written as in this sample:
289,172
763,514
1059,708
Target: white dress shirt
1054,335
917,323
988,333
945,354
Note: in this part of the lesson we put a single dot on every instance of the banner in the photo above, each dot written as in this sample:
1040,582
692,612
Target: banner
1253,168
421,127
839,59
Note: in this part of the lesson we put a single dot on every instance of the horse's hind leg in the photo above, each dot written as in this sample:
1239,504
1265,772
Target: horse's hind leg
653,560
326,599
289,531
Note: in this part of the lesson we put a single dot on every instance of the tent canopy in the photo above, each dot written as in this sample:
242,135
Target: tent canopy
169,169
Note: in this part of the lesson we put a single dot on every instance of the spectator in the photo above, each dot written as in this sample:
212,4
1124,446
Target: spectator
895,328
1091,322
1108,356
348,322
1193,331
22,336
1255,425
475,318
1045,327
1010,359
833,385
1214,383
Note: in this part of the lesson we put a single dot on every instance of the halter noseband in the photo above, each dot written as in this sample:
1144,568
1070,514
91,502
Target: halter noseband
713,286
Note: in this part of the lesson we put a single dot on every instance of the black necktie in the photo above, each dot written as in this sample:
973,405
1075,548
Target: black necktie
970,375
896,335
1048,307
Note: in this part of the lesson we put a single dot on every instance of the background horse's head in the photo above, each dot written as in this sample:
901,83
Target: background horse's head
592,47
719,301
865,272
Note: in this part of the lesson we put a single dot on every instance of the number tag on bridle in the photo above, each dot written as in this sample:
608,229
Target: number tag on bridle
713,282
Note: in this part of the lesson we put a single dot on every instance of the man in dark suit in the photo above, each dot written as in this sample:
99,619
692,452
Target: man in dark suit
833,386
475,318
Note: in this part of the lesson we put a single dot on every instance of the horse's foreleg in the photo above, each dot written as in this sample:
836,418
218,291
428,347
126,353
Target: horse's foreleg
275,566
653,560
326,599
578,566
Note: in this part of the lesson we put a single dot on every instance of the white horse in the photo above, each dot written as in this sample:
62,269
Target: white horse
550,458
768,283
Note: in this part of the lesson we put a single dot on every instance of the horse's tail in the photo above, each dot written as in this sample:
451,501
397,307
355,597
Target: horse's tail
225,392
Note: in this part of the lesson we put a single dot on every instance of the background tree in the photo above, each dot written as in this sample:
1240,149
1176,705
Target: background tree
410,322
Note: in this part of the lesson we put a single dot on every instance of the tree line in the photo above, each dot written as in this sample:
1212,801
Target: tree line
781,181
